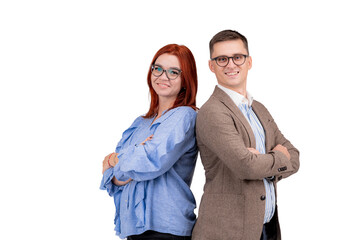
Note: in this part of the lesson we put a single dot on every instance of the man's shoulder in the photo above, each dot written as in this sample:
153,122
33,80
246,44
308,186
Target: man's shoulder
214,111
213,104
258,105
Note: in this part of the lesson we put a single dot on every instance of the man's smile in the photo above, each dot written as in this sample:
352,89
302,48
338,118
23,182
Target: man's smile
232,73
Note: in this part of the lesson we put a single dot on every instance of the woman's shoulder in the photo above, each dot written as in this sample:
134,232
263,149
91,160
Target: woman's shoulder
184,111
136,123
177,116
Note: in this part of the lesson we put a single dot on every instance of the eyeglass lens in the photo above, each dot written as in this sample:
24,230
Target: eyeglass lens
171,73
237,59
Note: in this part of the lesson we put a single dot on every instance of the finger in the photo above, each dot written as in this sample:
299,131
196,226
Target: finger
114,160
107,157
108,160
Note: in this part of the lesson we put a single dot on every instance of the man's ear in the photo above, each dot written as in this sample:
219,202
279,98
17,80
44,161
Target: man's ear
211,66
249,62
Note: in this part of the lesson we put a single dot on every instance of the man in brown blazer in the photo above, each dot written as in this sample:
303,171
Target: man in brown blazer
243,152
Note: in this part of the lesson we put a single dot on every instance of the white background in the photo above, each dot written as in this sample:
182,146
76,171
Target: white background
73,78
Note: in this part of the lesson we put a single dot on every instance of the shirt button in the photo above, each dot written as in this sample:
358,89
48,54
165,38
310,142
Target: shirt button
262,198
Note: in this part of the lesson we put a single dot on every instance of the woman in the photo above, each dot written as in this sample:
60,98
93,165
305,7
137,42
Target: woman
150,173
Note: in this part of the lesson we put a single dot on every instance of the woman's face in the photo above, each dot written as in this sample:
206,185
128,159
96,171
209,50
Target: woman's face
164,87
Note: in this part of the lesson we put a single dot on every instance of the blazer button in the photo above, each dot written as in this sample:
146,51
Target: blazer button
262,198
282,169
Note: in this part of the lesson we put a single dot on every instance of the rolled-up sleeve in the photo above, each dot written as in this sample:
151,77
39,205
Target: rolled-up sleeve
106,183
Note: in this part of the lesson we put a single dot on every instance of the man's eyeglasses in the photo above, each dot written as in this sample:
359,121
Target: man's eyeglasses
171,73
223,61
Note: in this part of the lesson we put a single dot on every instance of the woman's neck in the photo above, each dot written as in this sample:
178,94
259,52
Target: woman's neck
164,104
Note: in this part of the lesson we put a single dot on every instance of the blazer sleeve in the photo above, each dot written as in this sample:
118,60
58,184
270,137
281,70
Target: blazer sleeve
216,130
172,139
294,153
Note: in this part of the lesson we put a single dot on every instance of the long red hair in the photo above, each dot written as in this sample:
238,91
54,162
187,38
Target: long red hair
187,94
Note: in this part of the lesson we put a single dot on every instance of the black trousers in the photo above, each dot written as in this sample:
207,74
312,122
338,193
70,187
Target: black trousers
152,235
270,230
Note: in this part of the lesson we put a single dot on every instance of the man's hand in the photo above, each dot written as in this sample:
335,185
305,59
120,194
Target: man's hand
282,149
253,150
120,183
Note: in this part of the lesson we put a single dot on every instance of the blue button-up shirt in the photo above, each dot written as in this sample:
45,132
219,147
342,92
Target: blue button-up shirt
159,197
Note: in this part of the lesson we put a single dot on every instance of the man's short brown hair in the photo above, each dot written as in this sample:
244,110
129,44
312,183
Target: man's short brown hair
227,35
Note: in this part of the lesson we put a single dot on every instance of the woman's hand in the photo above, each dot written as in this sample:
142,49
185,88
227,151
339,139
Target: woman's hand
120,183
113,159
110,161
147,139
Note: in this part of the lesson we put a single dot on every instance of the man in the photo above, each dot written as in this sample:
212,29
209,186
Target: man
243,152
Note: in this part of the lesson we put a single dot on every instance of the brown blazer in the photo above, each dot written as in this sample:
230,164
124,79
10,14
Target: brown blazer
233,204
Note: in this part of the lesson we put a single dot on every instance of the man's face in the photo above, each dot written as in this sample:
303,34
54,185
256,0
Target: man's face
231,76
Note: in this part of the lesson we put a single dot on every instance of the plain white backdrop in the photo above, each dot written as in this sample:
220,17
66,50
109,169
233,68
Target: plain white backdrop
73,78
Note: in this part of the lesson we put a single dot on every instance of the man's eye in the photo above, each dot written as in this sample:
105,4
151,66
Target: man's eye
238,57
222,59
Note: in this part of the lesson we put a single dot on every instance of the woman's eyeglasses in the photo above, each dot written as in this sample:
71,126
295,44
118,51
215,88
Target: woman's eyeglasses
171,73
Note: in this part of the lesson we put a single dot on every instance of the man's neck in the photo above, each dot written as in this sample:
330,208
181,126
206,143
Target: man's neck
240,90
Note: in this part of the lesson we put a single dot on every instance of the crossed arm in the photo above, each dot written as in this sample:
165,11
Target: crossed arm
217,132
112,159
278,147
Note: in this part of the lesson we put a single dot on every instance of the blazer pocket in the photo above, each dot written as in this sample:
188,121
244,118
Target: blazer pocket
222,216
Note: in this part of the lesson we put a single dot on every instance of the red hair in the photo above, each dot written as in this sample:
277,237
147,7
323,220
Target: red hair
187,94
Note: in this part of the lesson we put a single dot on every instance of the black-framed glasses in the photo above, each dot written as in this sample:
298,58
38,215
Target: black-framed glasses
171,73
223,61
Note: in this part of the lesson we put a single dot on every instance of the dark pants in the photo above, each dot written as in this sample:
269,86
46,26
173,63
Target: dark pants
270,230
152,235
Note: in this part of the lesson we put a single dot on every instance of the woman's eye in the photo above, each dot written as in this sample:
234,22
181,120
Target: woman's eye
158,69
175,72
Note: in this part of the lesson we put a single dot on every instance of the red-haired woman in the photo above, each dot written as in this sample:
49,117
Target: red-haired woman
150,172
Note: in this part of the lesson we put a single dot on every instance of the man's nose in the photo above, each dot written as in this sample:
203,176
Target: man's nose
231,63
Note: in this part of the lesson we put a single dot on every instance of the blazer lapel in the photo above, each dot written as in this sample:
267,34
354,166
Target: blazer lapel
264,120
229,103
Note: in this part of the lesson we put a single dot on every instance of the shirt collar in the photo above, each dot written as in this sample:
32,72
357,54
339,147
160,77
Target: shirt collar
237,97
